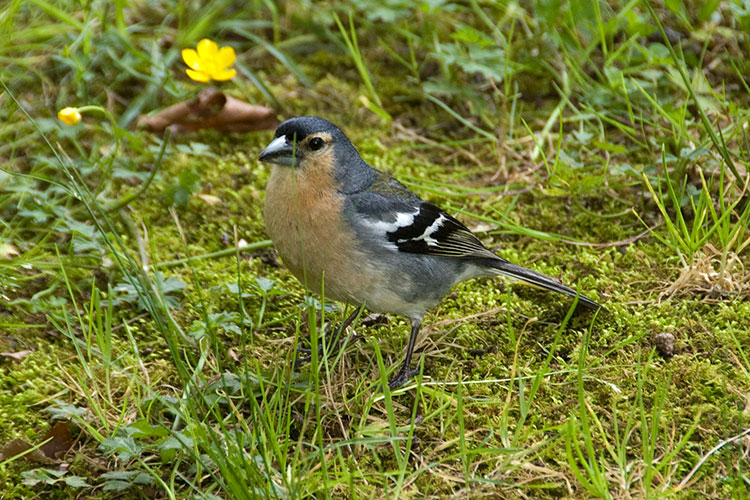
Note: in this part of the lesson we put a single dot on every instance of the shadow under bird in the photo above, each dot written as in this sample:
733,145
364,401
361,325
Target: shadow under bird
361,237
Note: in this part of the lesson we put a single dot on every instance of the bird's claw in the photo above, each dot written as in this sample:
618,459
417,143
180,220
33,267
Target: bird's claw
403,376
308,357
302,359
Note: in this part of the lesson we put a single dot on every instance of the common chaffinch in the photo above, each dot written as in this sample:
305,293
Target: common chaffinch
364,238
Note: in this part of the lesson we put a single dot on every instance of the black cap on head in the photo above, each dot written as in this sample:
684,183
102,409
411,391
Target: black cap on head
300,127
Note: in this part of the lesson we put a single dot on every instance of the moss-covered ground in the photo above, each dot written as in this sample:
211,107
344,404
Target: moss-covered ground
540,126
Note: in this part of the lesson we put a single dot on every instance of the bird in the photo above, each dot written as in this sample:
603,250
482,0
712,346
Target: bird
359,236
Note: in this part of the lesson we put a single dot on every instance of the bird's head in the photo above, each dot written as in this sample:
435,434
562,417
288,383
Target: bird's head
302,139
312,144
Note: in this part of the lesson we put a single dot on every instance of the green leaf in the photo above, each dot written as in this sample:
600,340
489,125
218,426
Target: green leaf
116,486
265,284
142,428
187,183
708,7
678,9
473,36
177,442
46,476
168,285
125,447
119,475
76,482
64,411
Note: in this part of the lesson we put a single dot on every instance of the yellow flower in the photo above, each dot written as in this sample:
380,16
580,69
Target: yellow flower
69,116
209,62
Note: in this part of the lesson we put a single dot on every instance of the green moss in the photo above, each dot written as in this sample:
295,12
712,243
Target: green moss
584,194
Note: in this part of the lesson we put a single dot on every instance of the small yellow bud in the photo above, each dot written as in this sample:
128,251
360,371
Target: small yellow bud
69,116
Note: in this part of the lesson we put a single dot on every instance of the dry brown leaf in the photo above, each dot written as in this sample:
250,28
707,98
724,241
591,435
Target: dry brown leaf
18,446
8,250
16,356
58,442
211,109
233,355
210,199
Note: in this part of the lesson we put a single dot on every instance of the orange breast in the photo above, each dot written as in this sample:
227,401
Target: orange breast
303,218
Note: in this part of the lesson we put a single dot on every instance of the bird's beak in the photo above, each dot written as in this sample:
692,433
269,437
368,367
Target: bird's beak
279,152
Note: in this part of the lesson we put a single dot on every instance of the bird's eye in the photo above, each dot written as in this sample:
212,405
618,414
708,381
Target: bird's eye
316,143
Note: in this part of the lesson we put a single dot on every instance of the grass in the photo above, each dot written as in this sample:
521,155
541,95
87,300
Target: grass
604,145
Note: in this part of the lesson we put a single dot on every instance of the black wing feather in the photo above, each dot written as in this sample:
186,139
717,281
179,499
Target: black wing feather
450,238
387,198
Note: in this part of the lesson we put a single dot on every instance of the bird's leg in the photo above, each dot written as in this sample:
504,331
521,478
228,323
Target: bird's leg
334,341
406,373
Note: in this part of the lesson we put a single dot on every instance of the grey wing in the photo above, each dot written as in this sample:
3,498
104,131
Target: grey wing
396,218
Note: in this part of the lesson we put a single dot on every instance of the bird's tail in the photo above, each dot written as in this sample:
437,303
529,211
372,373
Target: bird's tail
518,273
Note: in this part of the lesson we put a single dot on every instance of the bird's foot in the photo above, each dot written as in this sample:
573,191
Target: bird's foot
305,359
307,354
404,375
